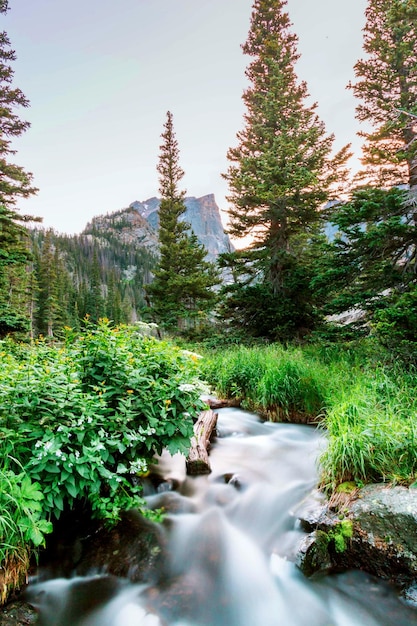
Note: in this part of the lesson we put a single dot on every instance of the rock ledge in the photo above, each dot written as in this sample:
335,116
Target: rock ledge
382,524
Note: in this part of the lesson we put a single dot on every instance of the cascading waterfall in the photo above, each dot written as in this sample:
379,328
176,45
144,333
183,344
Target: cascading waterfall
231,548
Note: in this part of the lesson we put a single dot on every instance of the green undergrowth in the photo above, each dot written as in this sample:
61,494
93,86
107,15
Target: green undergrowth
80,423
277,382
368,407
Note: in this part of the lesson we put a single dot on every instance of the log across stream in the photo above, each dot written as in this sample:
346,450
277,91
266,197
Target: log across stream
230,541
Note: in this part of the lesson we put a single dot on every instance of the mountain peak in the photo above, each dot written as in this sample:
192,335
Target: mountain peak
203,214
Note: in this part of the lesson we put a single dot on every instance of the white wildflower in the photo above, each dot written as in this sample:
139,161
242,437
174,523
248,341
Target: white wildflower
138,467
186,387
193,355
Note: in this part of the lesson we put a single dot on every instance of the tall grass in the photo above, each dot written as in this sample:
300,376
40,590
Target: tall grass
277,382
372,431
368,410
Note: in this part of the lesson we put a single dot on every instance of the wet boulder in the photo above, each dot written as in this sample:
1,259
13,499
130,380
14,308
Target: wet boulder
313,554
132,549
18,613
373,529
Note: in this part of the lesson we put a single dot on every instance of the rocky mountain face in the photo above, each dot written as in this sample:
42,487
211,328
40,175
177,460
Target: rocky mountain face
128,226
203,214
138,224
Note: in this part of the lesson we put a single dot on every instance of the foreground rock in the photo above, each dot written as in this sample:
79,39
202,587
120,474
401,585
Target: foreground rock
18,613
373,529
133,549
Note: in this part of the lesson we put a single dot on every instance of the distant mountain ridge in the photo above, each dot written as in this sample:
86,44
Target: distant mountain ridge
103,271
139,223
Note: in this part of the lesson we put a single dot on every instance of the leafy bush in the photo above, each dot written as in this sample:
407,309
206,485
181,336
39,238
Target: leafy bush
22,527
85,418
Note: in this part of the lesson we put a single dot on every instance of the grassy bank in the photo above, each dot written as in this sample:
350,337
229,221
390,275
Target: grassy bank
369,409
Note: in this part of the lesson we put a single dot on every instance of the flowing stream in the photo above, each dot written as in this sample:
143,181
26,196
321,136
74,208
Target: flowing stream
231,547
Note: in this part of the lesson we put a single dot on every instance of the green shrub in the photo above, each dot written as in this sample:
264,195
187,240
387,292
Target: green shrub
84,419
22,527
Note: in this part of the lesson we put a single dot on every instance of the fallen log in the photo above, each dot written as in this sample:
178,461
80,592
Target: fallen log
220,403
198,459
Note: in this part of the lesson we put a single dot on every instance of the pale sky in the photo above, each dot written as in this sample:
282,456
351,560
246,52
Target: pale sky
100,76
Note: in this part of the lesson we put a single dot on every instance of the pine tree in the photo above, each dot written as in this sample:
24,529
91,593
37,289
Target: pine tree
113,300
372,253
371,264
281,171
95,304
47,301
14,183
182,289
387,89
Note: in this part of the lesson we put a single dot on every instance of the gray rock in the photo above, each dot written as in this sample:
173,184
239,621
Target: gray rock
18,613
383,520
389,514
133,549
313,555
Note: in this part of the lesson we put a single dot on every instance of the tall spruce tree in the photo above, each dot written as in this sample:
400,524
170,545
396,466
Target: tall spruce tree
15,183
182,290
387,89
371,265
47,301
95,303
280,176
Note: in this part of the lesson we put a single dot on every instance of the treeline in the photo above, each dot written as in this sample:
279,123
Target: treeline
71,278
289,282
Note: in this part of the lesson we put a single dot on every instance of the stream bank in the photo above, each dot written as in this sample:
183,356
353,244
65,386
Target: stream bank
227,550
